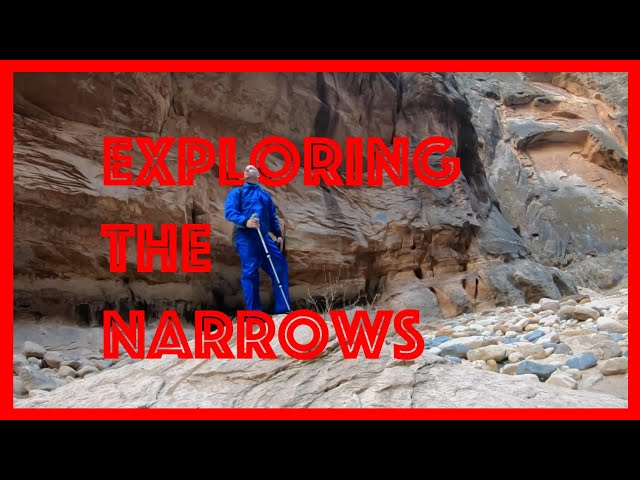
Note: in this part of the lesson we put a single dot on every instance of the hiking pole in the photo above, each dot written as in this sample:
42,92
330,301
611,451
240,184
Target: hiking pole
266,250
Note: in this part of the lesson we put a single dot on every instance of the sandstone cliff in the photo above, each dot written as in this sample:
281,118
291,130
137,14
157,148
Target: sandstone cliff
540,207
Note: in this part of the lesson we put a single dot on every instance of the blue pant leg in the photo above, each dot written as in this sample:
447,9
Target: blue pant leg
251,256
282,269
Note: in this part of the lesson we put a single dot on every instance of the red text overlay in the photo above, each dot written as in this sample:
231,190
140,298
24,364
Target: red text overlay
321,159
256,331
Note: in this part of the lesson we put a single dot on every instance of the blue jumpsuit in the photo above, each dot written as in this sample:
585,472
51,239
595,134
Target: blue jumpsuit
241,203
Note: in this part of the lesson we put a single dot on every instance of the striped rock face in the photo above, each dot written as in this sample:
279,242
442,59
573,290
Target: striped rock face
540,206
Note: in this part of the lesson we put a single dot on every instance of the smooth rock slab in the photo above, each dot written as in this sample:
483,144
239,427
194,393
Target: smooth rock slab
369,385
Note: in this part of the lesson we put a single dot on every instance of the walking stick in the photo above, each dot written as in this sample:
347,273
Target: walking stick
266,250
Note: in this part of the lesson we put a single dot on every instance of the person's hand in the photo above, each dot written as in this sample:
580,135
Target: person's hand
253,223
280,242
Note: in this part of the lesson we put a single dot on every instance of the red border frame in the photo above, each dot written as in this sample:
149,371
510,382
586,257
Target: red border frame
7,68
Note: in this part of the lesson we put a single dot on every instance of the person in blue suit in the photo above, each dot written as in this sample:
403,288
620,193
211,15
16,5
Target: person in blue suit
241,203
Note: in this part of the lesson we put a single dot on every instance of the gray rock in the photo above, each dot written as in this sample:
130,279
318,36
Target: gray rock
562,379
85,362
33,379
493,352
614,366
432,350
563,349
566,312
464,333
76,364
436,342
18,386
552,337
598,344
530,349
35,361
575,332
548,304
611,325
575,298
534,335
582,361
541,370
487,321
53,359
472,342
570,302
516,357
585,313
510,340
454,350
103,364
86,371
19,360
66,371
32,349
623,313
